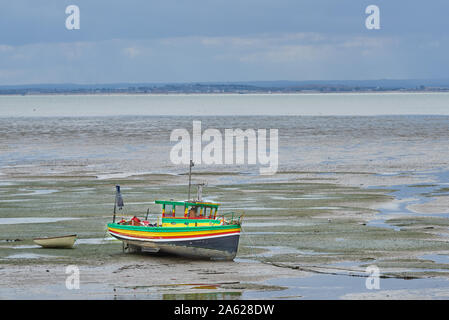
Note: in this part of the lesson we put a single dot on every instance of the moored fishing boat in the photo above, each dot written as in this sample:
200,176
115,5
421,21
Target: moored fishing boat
63,242
200,232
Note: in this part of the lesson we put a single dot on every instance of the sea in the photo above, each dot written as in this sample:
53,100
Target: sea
132,133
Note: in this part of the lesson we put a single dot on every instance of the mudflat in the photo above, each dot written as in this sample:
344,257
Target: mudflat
350,192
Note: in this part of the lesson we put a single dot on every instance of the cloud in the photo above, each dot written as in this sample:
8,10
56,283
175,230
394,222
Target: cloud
131,52
287,54
172,40
264,56
294,48
5,48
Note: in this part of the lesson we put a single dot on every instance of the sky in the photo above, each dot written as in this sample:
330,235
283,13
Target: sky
221,41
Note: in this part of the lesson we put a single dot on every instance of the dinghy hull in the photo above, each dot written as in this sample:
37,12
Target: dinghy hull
63,242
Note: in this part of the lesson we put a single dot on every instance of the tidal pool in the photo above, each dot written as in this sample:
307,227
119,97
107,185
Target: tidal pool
28,220
331,287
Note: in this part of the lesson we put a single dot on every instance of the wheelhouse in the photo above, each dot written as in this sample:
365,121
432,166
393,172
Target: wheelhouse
190,209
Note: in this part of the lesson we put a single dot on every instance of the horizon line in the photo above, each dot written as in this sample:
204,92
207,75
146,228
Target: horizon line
227,82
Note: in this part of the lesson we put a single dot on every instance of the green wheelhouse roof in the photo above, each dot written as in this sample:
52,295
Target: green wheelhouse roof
188,203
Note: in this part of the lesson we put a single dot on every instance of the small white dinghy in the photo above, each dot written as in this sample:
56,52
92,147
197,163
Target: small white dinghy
57,242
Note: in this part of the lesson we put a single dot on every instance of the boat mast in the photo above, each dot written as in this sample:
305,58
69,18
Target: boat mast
118,201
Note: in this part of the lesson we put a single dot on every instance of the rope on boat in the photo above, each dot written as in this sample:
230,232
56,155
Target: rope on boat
102,242
249,240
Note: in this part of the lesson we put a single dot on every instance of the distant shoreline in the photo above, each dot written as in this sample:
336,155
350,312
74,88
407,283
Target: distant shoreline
220,93
255,87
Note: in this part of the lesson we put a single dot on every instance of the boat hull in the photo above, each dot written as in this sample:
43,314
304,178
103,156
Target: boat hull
63,242
217,243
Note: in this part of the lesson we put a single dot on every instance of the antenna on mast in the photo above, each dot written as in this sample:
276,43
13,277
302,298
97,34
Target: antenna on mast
190,176
200,191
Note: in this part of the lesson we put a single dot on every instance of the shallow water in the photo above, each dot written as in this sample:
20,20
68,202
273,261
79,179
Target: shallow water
325,287
111,147
405,195
94,240
437,258
30,192
64,159
275,250
29,220
29,255
225,104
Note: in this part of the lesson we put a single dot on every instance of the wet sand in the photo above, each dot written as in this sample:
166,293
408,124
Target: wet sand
309,230
293,229
145,277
